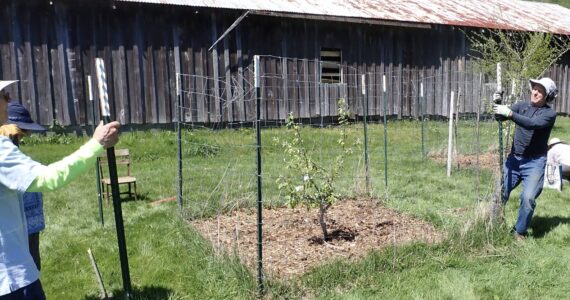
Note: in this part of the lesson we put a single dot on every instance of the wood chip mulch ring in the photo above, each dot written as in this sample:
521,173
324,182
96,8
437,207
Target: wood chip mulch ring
293,238
487,160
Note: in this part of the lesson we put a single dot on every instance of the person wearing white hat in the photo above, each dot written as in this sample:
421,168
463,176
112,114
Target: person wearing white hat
559,155
19,276
527,159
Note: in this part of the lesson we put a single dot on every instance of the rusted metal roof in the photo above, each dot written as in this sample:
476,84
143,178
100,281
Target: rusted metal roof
501,14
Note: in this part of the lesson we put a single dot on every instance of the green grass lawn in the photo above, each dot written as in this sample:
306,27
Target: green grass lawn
170,260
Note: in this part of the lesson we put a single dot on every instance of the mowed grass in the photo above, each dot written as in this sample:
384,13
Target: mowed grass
170,260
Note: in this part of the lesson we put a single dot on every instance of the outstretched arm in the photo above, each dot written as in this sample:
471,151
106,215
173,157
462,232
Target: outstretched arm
62,172
536,122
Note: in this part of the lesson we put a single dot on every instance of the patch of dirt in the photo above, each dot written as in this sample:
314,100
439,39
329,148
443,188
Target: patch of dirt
489,161
293,240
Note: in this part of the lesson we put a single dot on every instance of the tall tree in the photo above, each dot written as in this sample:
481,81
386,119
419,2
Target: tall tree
523,55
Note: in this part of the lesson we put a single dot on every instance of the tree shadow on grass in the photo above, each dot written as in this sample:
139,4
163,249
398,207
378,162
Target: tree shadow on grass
143,293
141,197
543,225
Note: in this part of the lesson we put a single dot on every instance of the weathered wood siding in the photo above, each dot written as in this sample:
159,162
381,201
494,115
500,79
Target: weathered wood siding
51,49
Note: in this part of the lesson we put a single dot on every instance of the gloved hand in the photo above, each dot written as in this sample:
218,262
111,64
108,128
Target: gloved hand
498,97
502,110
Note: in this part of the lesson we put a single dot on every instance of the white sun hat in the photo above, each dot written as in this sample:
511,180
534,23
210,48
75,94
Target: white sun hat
554,141
5,83
549,86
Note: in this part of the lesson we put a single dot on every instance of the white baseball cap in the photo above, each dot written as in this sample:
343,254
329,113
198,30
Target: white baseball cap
5,83
548,84
554,141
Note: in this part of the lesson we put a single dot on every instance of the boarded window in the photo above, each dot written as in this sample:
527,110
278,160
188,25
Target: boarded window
331,71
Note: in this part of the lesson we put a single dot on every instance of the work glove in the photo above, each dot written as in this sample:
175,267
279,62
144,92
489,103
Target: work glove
498,97
502,110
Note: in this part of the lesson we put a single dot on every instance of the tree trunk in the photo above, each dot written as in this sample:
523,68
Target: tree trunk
497,203
322,212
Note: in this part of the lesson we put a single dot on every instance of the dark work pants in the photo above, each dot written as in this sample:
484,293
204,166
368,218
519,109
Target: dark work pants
566,172
33,291
34,245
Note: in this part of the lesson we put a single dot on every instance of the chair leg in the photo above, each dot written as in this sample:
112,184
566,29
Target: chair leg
108,197
103,193
135,183
130,193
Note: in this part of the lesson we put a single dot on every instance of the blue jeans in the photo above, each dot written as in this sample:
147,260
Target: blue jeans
529,171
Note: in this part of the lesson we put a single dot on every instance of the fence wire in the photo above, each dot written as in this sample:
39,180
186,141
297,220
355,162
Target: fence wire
398,123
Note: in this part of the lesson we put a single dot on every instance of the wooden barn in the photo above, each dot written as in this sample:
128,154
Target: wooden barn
313,52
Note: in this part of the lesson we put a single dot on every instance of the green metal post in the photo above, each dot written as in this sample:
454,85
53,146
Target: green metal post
423,116
179,143
260,279
119,220
97,170
365,108
385,132
122,244
499,89
501,158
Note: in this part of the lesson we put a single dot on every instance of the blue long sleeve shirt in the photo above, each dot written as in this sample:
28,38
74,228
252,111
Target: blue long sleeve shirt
534,125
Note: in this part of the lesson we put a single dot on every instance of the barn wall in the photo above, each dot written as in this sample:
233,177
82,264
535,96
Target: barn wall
51,50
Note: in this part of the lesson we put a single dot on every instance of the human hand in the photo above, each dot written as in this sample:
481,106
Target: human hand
502,110
107,134
498,97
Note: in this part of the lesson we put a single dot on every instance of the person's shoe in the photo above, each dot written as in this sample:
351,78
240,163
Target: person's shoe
519,237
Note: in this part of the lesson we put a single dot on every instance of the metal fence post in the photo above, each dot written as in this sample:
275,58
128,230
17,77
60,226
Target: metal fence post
97,170
365,109
385,132
260,283
179,141
104,101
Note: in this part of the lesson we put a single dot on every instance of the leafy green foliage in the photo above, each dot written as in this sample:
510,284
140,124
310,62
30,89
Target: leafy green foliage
162,143
57,135
202,147
57,128
312,183
55,139
523,55
565,3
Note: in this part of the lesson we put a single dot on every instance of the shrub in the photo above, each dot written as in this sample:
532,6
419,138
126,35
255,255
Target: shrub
312,183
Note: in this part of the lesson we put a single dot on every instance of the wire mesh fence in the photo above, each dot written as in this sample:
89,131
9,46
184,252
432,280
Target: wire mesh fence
398,123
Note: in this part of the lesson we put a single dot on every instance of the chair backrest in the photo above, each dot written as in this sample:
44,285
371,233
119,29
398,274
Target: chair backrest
122,157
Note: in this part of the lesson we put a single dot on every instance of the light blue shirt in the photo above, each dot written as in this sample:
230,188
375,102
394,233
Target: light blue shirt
17,171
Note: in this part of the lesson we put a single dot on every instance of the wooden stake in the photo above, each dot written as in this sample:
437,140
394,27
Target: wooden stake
102,291
450,136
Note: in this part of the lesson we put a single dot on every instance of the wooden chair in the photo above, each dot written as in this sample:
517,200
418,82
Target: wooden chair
123,161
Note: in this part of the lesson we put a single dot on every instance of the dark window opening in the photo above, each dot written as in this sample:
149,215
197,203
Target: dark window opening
331,71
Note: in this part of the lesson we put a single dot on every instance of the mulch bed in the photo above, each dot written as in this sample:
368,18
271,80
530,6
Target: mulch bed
488,161
293,241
